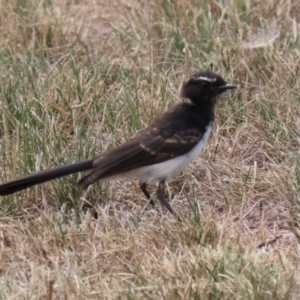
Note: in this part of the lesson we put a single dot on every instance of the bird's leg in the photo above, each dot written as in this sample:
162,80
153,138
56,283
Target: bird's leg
160,192
143,187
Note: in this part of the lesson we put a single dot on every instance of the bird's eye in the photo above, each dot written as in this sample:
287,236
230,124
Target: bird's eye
204,83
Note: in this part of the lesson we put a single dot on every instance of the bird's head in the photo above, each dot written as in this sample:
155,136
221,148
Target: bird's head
204,88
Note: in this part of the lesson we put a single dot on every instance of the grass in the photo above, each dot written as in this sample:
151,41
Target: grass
78,78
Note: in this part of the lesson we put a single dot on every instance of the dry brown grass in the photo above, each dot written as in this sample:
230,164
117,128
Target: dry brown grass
79,77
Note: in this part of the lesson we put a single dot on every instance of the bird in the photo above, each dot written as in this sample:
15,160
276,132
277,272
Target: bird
154,154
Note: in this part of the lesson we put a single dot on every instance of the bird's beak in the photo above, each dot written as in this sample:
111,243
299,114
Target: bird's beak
227,86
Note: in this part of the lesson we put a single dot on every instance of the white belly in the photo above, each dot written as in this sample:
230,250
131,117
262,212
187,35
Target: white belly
167,169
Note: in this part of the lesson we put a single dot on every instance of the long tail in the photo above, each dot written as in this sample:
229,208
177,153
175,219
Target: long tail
22,183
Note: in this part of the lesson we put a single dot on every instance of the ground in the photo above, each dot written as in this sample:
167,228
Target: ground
80,77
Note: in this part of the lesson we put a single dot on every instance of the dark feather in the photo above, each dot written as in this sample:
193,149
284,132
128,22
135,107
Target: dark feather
174,134
43,176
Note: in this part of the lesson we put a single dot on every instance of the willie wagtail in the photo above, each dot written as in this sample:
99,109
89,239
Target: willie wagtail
155,153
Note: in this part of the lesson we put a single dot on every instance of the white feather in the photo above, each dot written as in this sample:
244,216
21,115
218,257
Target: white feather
167,169
207,79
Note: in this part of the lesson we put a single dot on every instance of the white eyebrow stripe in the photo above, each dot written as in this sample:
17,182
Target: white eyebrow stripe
207,79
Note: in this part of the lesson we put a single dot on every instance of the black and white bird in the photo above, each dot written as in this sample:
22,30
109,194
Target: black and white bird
154,154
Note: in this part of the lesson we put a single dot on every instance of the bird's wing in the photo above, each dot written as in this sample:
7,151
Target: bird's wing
155,144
